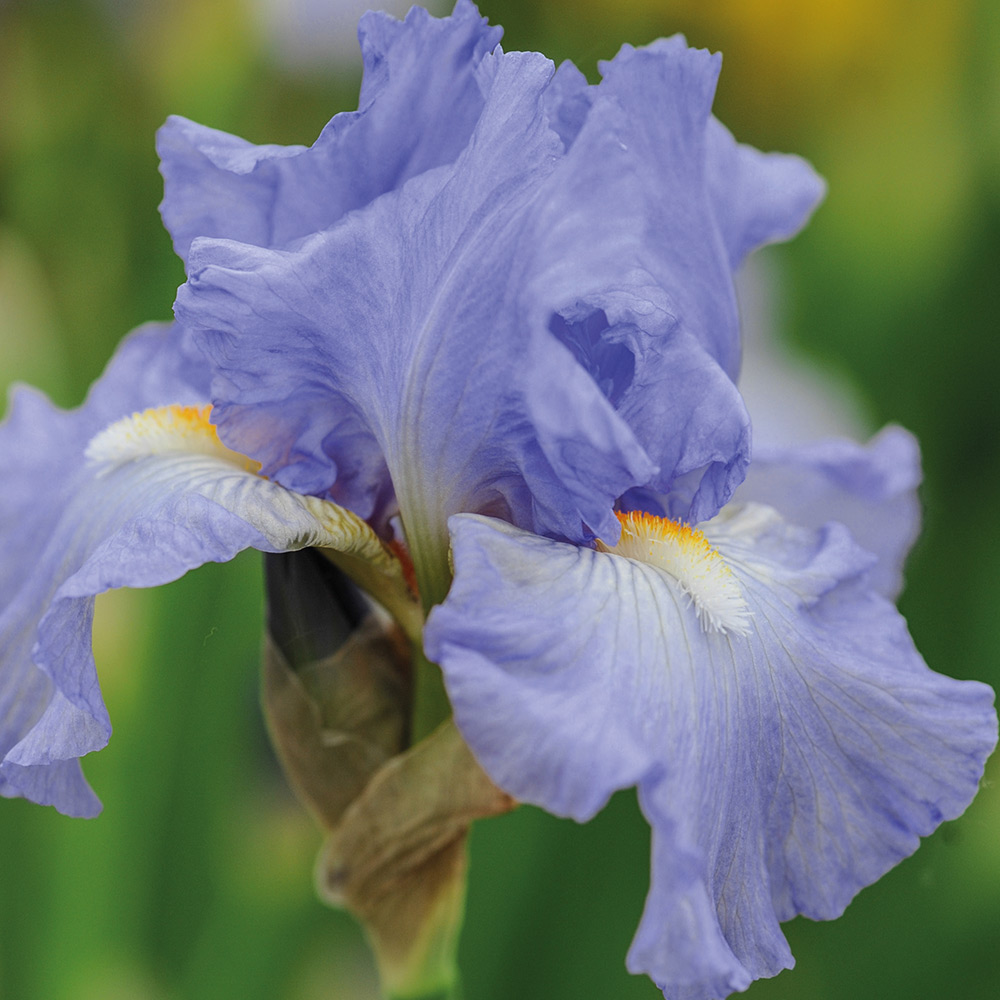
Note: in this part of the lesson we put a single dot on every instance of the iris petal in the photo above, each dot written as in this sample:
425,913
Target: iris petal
402,323
430,337
758,197
781,771
42,450
134,521
870,488
419,102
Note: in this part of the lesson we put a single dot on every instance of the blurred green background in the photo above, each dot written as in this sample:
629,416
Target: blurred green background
196,881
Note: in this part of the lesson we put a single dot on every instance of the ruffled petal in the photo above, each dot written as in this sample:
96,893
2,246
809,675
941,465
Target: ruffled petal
758,197
404,342
871,488
782,769
689,416
567,102
535,700
443,335
682,203
665,93
629,270
42,449
638,233
419,103
149,498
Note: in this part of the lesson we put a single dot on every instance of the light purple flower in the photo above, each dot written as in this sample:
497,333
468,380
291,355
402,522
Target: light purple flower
495,287
788,743
499,301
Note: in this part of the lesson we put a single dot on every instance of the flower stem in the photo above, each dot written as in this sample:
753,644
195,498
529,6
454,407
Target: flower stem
430,700
429,551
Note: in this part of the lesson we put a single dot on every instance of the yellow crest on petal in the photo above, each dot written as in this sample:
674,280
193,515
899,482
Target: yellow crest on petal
161,430
178,446
685,554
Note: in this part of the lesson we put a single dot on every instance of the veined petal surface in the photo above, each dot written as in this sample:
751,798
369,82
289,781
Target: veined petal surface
781,770
397,337
530,328
630,272
42,449
119,516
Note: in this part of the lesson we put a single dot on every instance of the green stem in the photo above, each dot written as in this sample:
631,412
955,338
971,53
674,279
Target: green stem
430,700
429,552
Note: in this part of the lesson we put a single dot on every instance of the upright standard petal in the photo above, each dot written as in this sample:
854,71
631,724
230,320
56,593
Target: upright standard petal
604,221
530,330
403,340
788,742
630,273
642,225
758,197
419,102
151,496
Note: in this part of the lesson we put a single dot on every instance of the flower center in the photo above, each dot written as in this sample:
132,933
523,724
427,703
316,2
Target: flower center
161,430
684,554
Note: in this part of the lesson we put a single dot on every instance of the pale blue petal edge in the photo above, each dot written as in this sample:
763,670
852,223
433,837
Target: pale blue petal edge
42,449
758,197
871,488
419,103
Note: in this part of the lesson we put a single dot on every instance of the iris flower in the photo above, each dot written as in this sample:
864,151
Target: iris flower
490,318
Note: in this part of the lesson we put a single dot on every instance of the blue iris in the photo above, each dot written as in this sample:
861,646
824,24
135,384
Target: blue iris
486,313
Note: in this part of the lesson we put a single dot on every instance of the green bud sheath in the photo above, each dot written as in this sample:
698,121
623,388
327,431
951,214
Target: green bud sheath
338,696
398,861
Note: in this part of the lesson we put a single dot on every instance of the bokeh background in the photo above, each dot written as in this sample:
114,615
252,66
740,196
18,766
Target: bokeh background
196,881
